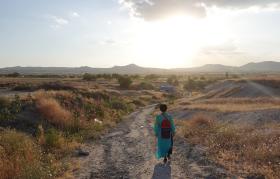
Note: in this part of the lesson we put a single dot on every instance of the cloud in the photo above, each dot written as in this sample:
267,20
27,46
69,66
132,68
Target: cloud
241,3
56,22
108,41
227,53
59,20
74,14
229,47
156,9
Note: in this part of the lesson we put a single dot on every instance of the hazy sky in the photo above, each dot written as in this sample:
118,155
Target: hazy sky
156,33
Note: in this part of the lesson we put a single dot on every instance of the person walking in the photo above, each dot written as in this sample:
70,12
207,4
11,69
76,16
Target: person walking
164,129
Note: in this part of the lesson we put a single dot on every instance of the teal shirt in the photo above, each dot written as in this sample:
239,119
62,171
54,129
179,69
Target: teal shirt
163,145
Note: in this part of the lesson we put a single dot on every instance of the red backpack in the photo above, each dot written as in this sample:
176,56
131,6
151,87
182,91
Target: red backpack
165,128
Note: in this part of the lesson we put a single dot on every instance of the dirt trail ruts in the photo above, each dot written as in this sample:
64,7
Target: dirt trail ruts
128,152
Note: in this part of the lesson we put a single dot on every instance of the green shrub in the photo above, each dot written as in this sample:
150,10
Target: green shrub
4,102
173,80
95,95
16,105
138,102
93,110
193,85
124,82
119,105
14,75
24,87
53,139
89,77
56,86
146,86
151,77
8,109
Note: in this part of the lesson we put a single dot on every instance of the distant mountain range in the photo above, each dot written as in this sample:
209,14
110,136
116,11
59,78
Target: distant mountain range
265,66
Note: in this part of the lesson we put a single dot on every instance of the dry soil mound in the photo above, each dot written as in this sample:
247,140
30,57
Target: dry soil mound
244,88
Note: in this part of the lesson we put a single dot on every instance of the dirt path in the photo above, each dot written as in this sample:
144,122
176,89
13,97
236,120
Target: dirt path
128,152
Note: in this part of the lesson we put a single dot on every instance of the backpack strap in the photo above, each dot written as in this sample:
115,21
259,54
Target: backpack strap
165,116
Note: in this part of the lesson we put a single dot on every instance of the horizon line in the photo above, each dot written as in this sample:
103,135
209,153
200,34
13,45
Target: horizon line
130,64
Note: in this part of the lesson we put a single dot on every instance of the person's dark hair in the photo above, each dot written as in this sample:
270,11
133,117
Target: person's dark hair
163,107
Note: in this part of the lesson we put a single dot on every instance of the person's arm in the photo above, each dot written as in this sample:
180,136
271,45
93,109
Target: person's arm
156,129
173,128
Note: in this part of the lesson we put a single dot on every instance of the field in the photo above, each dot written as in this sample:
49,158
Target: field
236,123
46,122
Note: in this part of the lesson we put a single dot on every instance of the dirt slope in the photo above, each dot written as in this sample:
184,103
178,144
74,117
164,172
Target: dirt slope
128,152
231,88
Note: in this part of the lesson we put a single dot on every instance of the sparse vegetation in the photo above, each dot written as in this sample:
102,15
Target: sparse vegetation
89,77
75,113
193,84
14,75
151,77
66,117
24,87
21,157
173,80
238,147
144,86
235,104
58,114
9,108
44,86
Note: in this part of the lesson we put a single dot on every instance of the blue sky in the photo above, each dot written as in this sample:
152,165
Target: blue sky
104,33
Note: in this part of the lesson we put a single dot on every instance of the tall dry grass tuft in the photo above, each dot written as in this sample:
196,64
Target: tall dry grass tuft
198,127
51,110
201,121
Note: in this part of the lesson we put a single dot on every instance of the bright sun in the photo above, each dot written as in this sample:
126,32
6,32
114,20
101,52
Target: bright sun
175,41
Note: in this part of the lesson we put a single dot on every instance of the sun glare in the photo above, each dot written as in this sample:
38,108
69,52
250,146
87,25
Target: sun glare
175,41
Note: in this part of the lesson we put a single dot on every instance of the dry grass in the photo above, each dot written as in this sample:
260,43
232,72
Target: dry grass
76,113
68,117
244,148
273,82
52,111
20,157
236,104
201,121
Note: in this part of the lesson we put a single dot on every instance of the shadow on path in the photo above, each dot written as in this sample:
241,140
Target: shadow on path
162,171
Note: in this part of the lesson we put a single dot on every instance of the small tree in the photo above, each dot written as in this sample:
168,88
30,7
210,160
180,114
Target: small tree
15,74
151,77
173,80
125,82
89,77
202,78
227,75
190,85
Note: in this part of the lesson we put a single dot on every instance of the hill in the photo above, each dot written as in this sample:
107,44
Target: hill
265,66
